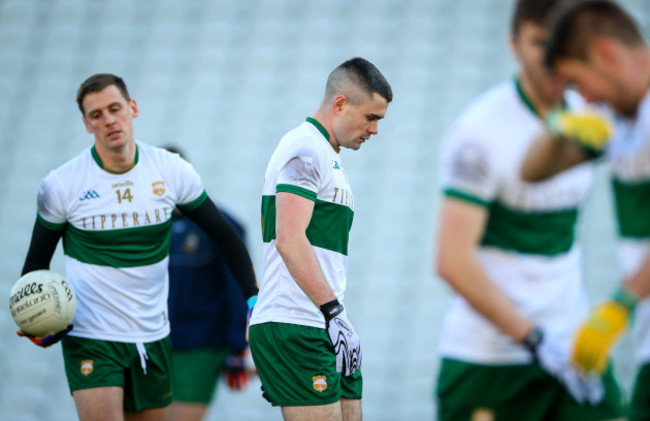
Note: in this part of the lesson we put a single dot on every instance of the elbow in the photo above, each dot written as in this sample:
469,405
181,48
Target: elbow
283,243
527,174
445,268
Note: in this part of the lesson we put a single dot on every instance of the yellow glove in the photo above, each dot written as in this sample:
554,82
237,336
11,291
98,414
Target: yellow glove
598,334
589,129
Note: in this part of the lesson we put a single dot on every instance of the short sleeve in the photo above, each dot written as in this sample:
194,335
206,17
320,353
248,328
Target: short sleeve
190,192
301,174
51,207
467,170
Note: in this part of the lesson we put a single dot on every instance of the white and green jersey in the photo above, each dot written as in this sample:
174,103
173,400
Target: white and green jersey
528,247
304,163
116,238
628,155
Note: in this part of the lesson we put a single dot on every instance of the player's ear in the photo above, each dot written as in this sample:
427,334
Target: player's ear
512,43
134,108
604,53
340,103
85,121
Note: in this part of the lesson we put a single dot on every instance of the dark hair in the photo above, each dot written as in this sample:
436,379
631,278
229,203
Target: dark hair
536,11
360,73
96,83
574,27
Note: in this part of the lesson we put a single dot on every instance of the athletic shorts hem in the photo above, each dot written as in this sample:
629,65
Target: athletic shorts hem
310,403
95,386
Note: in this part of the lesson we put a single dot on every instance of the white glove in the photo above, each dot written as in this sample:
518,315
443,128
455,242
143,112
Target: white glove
555,361
345,340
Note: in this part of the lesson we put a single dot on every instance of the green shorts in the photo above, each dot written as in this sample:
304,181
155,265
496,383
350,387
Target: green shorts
515,392
297,366
93,363
640,404
196,373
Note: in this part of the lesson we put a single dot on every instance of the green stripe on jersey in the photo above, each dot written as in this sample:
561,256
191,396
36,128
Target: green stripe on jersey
466,197
50,225
120,248
545,233
194,203
329,227
300,191
632,208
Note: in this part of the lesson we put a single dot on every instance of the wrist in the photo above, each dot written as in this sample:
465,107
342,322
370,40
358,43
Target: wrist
533,339
331,309
251,302
625,296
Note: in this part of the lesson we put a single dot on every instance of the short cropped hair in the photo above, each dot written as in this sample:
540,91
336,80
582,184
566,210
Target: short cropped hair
356,76
96,83
536,11
575,26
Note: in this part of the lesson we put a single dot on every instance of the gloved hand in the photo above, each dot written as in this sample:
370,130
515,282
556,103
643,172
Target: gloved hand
48,340
251,305
589,129
598,334
583,387
235,370
345,340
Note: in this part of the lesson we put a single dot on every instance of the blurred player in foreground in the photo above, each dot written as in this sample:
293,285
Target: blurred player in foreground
508,249
307,353
112,205
207,313
598,47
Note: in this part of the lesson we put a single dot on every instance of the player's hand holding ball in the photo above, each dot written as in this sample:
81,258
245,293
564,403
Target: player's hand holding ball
43,304
345,340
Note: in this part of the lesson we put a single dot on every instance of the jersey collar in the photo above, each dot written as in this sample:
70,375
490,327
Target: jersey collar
320,127
99,162
527,102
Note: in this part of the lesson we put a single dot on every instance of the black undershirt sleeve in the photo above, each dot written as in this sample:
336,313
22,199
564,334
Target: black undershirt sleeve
208,217
41,248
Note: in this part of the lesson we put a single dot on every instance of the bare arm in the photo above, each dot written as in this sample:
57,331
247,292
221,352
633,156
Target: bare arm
549,155
639,282
461,227
293,215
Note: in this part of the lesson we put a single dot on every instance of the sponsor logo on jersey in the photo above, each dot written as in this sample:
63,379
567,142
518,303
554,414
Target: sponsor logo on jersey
336,165
159,187
87,367
320,383
126,219
90,194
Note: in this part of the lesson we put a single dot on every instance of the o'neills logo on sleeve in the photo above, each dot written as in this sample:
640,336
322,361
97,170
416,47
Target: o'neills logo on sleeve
320,383
158,187
87,367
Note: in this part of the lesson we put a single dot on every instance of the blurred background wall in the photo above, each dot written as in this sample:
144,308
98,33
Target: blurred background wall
224,80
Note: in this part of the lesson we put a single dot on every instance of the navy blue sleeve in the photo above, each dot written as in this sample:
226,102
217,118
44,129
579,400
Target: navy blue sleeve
41,248
208,217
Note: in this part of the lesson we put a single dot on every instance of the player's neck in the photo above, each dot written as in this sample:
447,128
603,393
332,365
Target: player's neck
117,161
324,120
541,103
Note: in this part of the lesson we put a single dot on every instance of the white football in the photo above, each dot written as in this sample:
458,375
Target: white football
42,302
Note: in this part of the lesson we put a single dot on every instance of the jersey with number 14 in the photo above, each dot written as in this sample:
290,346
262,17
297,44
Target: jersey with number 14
116,233
304,163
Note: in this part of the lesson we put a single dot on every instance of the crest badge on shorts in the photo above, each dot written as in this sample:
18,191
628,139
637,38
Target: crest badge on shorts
158,187
320,383
86,367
